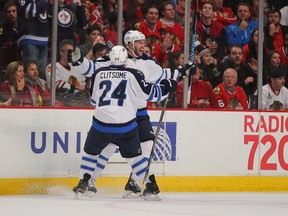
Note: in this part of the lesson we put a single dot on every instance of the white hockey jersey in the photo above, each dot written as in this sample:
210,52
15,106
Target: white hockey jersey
115,91
65,77
269,98
153,72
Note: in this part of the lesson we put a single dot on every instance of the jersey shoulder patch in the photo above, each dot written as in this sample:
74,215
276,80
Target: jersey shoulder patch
216,90
137,25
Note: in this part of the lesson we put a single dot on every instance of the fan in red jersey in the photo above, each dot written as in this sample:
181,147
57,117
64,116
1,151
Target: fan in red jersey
230,95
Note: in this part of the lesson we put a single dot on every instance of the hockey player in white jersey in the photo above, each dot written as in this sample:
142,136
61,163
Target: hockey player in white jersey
114,91
275,94
71,87
134,42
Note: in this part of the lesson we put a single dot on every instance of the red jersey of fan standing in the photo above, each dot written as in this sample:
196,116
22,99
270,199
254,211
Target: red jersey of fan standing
224,96
143,27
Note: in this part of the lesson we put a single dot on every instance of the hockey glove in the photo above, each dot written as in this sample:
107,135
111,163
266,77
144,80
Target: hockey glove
75,57
170,84
184,68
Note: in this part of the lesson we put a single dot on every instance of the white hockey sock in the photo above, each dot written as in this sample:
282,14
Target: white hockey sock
88,163
146,148
146,151
103,159
139,167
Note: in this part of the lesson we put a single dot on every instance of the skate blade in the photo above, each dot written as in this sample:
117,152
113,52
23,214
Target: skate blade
89,194
79,193
131,195
86,195
77,196
152,197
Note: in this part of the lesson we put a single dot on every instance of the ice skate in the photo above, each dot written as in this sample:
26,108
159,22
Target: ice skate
151,191
82,186
132,189
91,189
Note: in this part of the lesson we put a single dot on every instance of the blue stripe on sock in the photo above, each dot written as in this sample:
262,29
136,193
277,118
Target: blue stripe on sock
100,166
141,171
87,168
103,158
139,163
89,159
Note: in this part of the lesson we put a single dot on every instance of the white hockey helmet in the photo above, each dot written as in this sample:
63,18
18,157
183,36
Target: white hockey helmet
118,56
132,36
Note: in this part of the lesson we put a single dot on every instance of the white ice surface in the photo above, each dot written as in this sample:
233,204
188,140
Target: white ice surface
105,204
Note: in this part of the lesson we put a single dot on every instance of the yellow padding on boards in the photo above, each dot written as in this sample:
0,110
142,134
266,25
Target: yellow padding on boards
13,186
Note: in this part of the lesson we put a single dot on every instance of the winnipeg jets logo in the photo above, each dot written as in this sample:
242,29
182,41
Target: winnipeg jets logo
144,83
65,18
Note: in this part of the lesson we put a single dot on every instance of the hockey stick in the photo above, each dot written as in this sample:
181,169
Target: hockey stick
175,76
193,39
192,46
155,141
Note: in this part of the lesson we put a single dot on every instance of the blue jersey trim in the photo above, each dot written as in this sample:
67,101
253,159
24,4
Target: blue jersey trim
34,42
87,72
151,94
120,128
142,112
159,93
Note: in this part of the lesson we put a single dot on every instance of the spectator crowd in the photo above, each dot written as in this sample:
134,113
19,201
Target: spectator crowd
226,49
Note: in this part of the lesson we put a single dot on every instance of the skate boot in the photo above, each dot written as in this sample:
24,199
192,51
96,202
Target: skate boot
132,189
82,186
91,190
151,191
